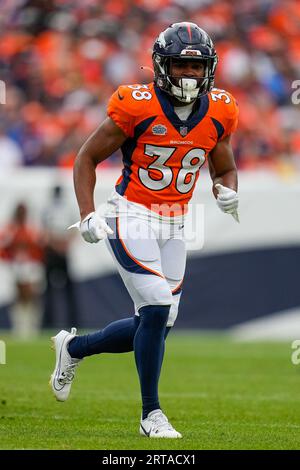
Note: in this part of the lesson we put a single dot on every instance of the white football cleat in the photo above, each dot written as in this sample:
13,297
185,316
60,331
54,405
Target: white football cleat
157,425
64,372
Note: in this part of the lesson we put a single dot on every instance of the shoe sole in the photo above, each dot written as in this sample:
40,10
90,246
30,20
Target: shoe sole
159,437
162,437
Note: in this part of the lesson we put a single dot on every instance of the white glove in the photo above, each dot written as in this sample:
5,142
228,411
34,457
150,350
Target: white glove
228,200
93,228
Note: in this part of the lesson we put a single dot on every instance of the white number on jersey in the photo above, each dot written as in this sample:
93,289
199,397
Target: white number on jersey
220,95
190,165
140,95
163,154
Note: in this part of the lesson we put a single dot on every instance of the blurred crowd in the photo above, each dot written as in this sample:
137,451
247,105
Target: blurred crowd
62,59
36,259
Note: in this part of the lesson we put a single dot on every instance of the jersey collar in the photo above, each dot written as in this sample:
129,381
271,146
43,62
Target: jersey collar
183,127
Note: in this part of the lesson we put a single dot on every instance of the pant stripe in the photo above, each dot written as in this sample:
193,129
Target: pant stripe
177,289
124,257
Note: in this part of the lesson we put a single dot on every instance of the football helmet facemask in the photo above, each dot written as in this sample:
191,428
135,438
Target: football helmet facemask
182,41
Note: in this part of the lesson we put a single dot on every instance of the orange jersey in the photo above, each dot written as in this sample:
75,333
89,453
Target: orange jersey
163,155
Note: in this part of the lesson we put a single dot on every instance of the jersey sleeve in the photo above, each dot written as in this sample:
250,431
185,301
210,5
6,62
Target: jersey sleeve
231,118
122,111
225,110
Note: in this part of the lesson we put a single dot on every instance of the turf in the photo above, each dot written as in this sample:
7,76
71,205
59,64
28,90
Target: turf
220,394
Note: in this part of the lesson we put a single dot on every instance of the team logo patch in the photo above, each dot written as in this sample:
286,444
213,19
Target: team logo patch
159,129
183,131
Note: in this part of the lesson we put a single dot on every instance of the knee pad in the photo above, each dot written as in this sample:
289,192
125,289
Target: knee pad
152,290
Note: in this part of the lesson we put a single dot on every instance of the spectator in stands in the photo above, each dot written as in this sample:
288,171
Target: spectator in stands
65,59
21,246
10,153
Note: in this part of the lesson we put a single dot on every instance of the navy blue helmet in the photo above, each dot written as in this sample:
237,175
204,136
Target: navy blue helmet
184,41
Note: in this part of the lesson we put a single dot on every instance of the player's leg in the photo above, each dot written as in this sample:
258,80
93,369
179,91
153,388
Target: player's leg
70,349
137,253
118,336
139,256
173,258
173,261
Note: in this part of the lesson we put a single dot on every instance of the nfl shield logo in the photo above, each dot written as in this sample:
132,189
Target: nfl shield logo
183,131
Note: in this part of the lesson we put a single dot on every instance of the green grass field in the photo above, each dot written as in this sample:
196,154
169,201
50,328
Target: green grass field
220,394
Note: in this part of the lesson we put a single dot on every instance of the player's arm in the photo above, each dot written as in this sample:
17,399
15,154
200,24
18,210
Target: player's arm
222,166
223,173
104,141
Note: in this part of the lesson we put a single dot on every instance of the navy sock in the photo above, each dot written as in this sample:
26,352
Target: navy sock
117,337
148,349
163,347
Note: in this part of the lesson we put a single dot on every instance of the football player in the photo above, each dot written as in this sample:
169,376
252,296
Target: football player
166,131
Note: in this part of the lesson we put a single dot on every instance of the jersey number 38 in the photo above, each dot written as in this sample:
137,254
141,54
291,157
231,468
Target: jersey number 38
190,165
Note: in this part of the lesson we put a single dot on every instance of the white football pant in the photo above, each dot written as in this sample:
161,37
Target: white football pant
150,256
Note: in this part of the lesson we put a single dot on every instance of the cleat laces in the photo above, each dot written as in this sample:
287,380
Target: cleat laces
69,374
161,422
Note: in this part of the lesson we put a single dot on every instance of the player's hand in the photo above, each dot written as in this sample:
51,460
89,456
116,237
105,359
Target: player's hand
94,228
227,199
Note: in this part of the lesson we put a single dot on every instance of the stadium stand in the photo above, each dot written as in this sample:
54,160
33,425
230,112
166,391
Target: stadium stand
61,60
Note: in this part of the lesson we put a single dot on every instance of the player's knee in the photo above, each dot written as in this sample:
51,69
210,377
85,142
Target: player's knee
164,296
154,316
157,292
